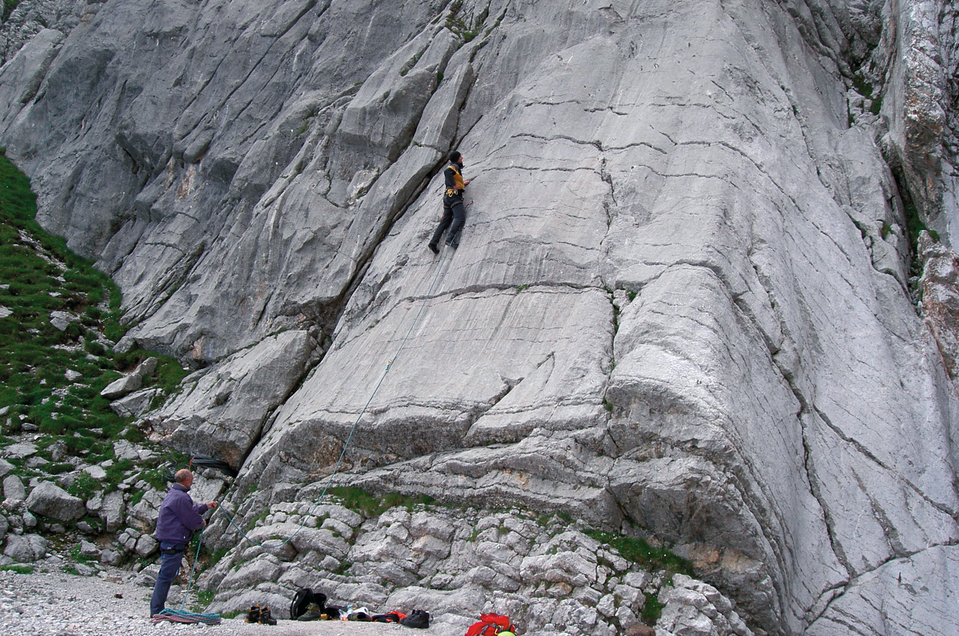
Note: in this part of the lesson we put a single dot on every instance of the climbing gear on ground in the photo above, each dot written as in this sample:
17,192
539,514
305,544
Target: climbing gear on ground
389,617
356,614
253,614
490,625
266,617
180,616
417,618
312,615
306,600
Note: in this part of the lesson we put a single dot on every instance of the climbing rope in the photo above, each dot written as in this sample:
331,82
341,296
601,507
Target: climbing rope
356,422
182,616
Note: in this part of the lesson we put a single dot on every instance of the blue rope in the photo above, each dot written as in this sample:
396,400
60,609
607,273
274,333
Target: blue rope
189,586
181,616
349,437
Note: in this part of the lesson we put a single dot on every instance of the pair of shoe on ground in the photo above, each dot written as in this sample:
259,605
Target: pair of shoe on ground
257,614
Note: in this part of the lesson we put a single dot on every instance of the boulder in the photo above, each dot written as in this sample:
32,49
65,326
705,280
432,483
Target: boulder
20,450
112,510
135,404
97,472
88,549
13,489
123,449
145,546
53,502
122,386
62,319
26,548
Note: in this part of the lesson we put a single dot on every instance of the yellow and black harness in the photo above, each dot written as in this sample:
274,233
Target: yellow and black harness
457,180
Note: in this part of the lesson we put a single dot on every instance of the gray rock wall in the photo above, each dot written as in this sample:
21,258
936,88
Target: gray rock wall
681,307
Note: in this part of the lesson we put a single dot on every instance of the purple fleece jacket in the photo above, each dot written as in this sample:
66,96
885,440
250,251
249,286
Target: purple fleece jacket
179,516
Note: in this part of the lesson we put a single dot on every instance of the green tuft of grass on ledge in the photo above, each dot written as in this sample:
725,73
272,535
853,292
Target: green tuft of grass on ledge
370,505
639,551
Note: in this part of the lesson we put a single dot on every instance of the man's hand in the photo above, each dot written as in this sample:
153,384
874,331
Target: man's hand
211,505
467,182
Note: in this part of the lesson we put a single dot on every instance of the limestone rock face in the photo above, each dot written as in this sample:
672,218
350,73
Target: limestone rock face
222,409
682,306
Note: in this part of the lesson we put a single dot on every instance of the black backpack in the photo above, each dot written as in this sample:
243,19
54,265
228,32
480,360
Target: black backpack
302,601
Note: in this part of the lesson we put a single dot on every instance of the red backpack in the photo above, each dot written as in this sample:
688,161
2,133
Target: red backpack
490,625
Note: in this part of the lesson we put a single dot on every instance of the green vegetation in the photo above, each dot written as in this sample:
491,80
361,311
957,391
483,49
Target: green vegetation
639,551
204,598
18,569
78,556
652,609
84,486
59,318
8,8
466,27
370,505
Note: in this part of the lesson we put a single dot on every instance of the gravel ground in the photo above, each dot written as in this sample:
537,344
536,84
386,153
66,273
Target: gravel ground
53,603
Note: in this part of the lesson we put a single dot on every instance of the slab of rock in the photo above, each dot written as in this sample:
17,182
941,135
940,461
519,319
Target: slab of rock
679,306
53,502
112,510
222,409
122,386
20,450
135,404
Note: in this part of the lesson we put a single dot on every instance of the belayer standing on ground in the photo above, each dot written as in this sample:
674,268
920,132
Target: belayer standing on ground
178,518
454,211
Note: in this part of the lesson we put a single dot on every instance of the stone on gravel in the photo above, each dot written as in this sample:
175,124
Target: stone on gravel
26,548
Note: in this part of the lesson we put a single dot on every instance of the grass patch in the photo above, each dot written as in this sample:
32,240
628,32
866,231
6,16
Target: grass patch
204,597
17,569
84,486
78,556
370,505
639,551
652,610
56,339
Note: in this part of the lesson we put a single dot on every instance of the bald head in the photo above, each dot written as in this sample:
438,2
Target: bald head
184,477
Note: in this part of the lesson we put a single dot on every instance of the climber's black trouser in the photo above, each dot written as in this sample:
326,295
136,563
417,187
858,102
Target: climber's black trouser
454,216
